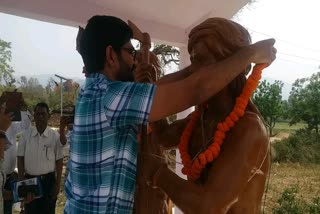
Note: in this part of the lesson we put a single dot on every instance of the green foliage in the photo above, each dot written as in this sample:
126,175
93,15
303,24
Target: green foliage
289,203
167,54
302,146
33,92
70,93
5,58
304,102
268,99
314,207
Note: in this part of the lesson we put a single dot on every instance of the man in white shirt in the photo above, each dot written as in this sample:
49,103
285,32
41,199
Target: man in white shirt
10,155
40,154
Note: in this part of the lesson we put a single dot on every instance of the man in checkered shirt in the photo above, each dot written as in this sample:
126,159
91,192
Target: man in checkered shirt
103,147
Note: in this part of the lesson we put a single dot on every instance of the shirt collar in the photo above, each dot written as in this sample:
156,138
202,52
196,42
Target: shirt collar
95,78
35,132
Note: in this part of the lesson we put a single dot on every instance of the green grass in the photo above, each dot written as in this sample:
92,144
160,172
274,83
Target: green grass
306,177
286,128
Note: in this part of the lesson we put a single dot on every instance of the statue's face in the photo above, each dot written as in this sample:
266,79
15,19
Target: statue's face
201,54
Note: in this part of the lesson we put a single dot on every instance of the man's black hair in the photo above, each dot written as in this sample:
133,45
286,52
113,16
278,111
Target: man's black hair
42,105
100,32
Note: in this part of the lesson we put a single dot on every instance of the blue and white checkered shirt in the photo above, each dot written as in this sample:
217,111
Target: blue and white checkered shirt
103,147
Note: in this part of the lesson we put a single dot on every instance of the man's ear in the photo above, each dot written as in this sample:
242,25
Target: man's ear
111,56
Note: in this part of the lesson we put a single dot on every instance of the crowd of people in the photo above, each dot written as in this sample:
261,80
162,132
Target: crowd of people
111,109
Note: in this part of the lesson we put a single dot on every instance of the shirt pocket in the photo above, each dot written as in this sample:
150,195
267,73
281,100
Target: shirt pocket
50,153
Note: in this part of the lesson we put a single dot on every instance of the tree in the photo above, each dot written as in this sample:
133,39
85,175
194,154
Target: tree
70,93
268,99
32,90
304,102
5,58
167,54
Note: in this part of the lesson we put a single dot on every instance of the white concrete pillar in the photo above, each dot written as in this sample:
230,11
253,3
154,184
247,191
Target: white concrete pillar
184,61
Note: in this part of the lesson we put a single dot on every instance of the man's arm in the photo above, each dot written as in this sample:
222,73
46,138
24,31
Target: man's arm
176,76
207,81
58,169
21,169
64,122
59,164
20,156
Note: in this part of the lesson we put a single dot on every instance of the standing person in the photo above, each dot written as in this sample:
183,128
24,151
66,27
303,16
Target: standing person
103,147
10,156
40,154
5,122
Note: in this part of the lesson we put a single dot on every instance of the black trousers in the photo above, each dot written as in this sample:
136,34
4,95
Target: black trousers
7,204
45,204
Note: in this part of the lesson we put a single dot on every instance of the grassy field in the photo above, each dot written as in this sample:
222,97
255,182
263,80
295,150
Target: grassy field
285,175
284,127
305,177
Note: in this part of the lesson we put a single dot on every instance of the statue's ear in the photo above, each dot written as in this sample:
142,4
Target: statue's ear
200,54
79,35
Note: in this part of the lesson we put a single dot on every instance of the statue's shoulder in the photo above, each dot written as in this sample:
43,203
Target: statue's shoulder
251,125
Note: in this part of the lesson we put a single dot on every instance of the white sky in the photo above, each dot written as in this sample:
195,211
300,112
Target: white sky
295,26
45,48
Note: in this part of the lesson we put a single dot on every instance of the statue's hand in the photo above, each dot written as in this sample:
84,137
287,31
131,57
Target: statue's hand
144,73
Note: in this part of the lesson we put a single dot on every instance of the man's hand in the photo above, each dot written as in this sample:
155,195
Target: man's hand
264,51
64,122
144,73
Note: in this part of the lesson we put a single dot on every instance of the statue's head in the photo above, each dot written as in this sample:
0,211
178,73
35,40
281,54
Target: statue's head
216,39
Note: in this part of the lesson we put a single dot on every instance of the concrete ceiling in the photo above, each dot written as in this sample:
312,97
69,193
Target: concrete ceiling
167,21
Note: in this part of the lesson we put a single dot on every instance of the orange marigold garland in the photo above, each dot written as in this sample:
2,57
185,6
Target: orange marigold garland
193,168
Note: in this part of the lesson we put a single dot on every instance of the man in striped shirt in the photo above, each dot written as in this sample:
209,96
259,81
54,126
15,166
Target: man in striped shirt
103,147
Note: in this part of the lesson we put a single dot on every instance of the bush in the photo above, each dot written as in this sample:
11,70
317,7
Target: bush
289,203
314,207
302,146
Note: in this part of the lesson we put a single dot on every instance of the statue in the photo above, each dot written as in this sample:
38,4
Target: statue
234,180
147,199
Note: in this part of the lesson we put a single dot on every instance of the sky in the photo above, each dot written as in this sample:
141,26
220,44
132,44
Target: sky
45,48
295,26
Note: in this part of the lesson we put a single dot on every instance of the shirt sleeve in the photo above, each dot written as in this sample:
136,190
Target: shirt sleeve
22,144
25,120
59,148
128,103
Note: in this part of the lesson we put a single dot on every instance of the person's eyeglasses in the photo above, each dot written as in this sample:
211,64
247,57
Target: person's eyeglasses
131,51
